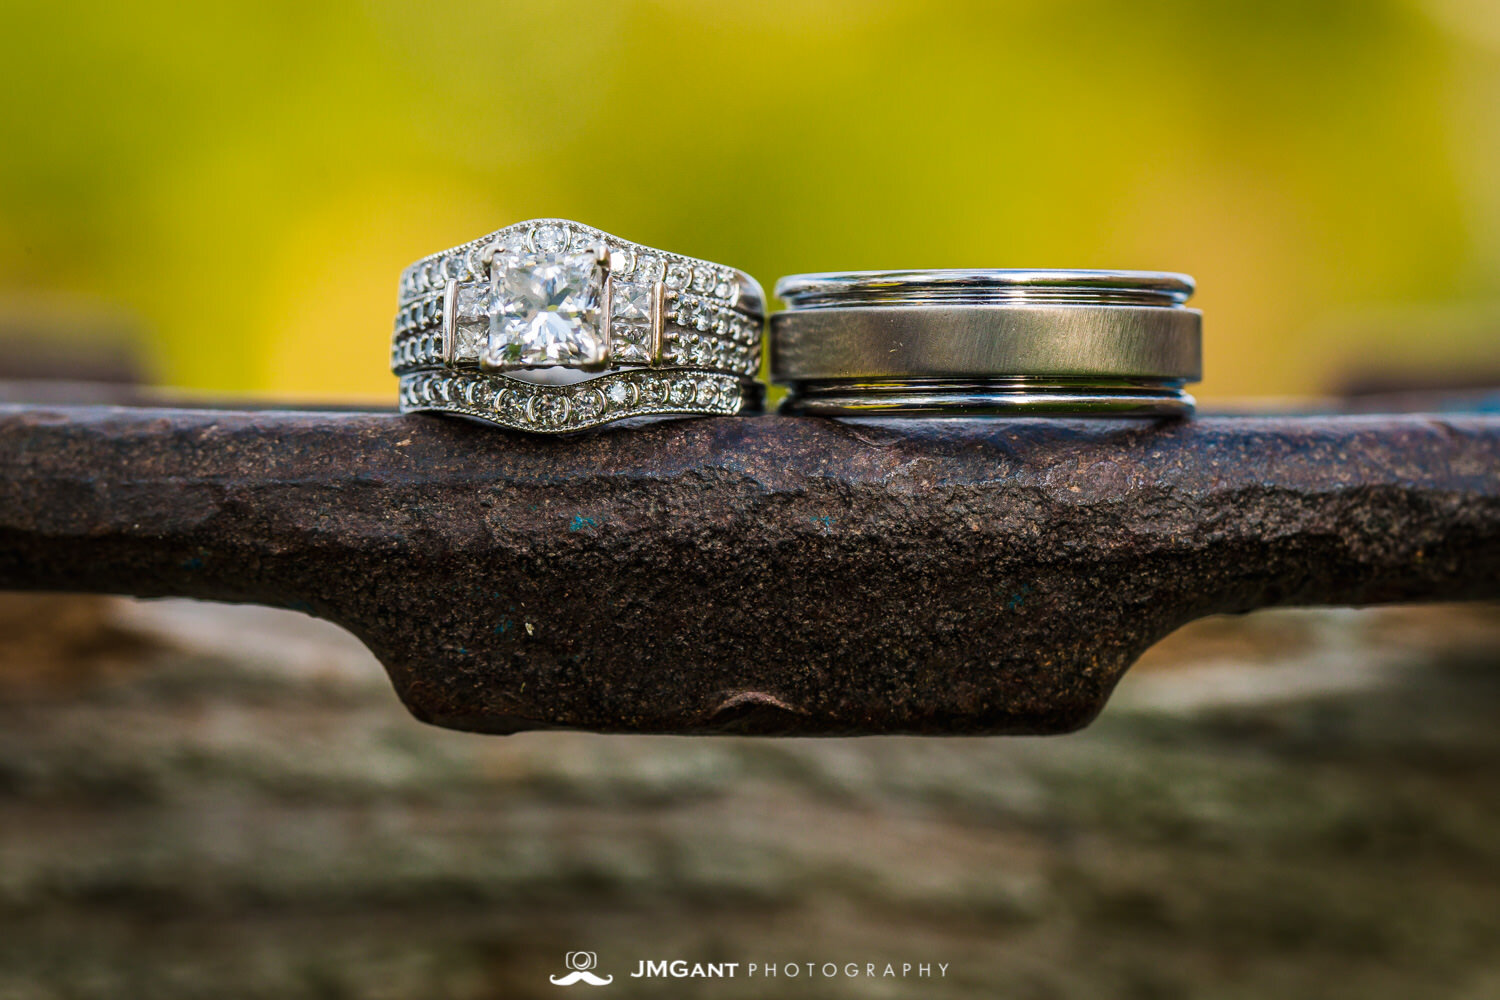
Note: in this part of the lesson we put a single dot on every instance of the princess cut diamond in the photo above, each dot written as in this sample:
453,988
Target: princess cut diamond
544,310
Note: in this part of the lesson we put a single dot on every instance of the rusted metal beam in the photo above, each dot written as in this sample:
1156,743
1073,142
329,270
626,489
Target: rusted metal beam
766,575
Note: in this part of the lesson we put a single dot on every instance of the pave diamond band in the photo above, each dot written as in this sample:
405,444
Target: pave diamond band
539,303
559,409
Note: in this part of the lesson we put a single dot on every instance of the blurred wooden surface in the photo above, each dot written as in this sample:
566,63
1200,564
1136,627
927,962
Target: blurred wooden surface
198,800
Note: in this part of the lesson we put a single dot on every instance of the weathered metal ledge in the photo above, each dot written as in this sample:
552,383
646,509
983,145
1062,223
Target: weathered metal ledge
766,575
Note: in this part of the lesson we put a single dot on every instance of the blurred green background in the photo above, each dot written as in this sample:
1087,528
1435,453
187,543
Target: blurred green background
244,180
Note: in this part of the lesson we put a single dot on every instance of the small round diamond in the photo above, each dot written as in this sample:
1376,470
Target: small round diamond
549,239
679,276
655,392
549,409
617,394
707,392
621,262
516,405
682,392
587,405
647,269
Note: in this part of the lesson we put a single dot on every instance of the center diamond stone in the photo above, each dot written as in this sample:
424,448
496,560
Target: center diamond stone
545,309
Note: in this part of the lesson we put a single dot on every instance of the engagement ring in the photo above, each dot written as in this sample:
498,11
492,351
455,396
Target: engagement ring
553,326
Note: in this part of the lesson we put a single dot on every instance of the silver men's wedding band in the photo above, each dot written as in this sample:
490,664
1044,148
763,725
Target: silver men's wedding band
987,342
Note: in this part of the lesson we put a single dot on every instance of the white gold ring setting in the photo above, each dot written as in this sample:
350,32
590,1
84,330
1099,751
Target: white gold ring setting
552,326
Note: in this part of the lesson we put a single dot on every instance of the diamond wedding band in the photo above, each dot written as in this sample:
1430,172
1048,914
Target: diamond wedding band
553,326
938,343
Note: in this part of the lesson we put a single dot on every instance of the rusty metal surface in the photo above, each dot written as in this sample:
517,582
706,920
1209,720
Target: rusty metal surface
766,575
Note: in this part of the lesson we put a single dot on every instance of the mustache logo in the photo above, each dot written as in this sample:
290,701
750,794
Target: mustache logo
581,976
581,962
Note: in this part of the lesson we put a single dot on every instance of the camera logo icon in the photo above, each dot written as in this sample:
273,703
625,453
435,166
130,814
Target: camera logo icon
581,965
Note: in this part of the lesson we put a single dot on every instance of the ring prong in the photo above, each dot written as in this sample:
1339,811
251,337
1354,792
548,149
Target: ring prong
606,308
487,258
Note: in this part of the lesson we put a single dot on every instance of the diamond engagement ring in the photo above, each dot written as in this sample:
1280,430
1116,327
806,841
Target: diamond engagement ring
553,326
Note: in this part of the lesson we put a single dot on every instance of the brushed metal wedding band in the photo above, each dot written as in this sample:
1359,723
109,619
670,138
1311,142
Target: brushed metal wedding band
976,342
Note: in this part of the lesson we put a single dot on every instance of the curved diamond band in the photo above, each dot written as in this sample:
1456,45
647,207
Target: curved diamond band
527,406
553,326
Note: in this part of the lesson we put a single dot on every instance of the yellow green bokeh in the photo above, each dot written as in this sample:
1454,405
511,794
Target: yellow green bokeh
246,179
